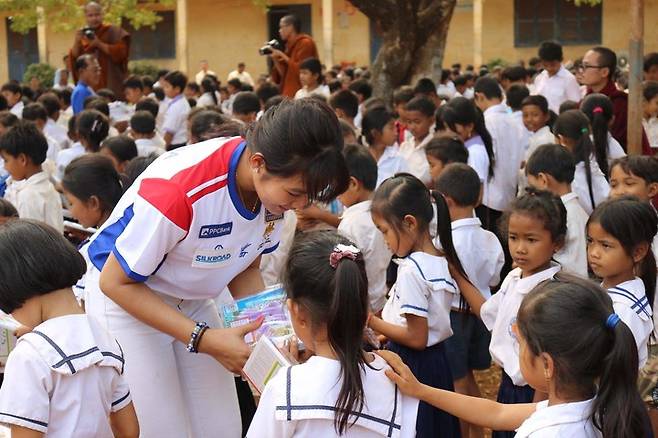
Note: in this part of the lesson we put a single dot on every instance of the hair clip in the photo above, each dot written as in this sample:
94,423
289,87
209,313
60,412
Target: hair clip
341,251
585,130
612,321
597,109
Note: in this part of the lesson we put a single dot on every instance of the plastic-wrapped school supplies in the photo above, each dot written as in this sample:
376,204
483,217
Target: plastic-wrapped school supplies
271,303
8,326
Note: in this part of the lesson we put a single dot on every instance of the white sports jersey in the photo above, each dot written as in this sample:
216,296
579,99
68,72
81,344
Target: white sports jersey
424,288
566,420
296,403
499,312
632,305
64,379
182,227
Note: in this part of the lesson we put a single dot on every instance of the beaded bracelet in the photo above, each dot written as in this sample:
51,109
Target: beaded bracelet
199,329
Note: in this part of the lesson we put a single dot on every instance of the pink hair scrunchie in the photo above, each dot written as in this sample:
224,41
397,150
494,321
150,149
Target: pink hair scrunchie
341,251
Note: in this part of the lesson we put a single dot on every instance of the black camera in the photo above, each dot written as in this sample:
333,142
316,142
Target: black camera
267,48
89,33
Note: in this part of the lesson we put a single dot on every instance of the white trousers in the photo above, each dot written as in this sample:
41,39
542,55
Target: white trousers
176,394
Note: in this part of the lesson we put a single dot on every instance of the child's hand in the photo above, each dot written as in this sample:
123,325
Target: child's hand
400,374
292,349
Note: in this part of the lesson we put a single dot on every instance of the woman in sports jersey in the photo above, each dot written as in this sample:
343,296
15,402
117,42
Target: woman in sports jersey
197,221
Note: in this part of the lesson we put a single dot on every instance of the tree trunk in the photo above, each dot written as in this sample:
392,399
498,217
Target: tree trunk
414,35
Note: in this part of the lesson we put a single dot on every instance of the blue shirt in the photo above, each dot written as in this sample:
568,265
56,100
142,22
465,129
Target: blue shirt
80,93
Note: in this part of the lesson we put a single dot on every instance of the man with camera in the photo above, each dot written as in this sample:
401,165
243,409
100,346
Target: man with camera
109,44
299,47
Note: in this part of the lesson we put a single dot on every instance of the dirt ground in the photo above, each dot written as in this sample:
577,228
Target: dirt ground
489,381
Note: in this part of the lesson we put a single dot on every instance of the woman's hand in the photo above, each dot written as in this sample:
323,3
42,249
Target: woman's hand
401,375
227,345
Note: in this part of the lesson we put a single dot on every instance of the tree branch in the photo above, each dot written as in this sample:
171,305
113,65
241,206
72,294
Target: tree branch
378,10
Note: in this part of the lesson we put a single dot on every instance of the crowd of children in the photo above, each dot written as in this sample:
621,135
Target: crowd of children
492,217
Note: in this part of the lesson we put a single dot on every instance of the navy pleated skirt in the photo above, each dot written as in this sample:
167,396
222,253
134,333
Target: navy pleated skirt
509,393
431,367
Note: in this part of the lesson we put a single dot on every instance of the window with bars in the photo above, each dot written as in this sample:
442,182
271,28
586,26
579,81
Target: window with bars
560,20
154,43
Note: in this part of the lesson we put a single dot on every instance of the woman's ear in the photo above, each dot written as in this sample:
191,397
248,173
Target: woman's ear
257,162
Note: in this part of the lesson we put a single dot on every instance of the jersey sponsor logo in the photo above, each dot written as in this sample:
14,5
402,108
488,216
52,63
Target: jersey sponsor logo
270,217
243,250
269,229
215,230
212,257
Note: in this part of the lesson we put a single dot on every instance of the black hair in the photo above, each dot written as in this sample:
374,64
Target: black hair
361,165
422,104
163,72
25,138
314,66
193,86
208,85
346,129
122,147
147,81
93,126
607,58
246,102
447,149
3,103
7,209
159,93
461,183
12,87
64,95
425,86
303,137
568,105
134,82
236,83
35,111
573,124
460,80
346,101
99,104
566,317
338,298
650,59
373,103
267,91
204,122
8,119
650,90
148,104
536,100
404,194
83,62
642,166
440,124
294,21
176,79
599,110
514,73
543,206
274,101
461,111
489,87
550,51
135,168
93,175
403,95
515,96
43,261
553,160
142,122
50,102
633,223
107,94
28,94
374,120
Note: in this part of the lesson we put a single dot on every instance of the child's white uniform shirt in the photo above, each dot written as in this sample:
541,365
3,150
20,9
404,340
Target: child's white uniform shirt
414,154
557,88
36,198
566,420
58,133
573,255
498,313
148,146
65,157
182,228
480,254
540,137
17,109
651,129
478,158
424,288
299,402
175,119
390,163
600,186
632,305
64,379
357,225
272,264
614,149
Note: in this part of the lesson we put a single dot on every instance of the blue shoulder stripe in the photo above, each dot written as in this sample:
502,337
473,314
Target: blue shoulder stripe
431,280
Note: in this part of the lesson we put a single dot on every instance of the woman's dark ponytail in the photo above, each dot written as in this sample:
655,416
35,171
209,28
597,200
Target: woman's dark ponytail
599,110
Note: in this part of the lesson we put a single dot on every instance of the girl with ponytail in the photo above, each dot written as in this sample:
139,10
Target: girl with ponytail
93,127
416,318
341,390
598,109
574,347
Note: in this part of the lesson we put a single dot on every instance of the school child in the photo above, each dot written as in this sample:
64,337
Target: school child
482,258
13,93
363,91
426,87
419,113
571,130
401,97
634,175
192,92
101,105
7,120
514,97
23,149
310,76
142,130
573,347
341,390
416,317
555,82
598,109
443,150
133,90
650,112
7,211
36,112
245,107
357,225
173,125
52,129
346,105
619,237
64,378
120,150
536,119
551,167
464,119
210,94
378,134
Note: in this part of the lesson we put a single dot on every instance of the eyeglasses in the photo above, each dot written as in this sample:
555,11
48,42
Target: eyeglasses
583,67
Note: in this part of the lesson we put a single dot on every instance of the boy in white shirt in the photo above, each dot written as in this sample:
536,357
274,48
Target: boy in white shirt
14,94
52,129
551,167
142,129
357,224
36,112
555,82
245,107
420,122
23,149
650,110
175,118
482,258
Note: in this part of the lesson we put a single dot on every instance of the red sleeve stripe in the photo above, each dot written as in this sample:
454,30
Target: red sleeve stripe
168,200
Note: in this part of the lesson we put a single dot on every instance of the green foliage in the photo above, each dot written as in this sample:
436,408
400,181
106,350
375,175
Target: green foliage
496,62
586,2
67,15
44,72
141,68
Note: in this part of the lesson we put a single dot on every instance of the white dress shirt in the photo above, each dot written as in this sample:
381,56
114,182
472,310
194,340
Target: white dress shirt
573,255
390,163
36,198
558,88
566,420
600,186
414,153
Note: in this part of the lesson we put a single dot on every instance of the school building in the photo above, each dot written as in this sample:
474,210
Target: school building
225,32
